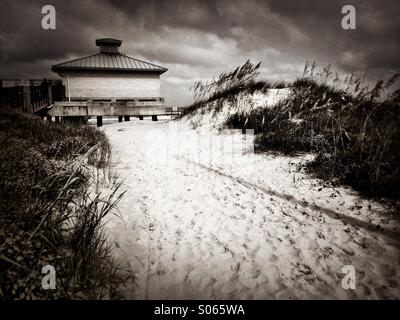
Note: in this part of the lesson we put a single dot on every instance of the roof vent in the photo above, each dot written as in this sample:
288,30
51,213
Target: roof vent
108,45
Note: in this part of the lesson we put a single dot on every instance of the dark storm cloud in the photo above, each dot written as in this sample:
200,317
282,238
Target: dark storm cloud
23,40
309,28
154,14
375,42
199,39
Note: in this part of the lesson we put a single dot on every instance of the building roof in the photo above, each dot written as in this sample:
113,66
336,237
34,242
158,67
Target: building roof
108,60
108,41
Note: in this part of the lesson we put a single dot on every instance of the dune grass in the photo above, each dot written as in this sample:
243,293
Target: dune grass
228,86
353,130
49,214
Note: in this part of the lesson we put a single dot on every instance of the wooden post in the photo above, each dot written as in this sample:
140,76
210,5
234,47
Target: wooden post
154,118
99,121
57,119
119,118
26,92
140,117
127,118
48,118
50,94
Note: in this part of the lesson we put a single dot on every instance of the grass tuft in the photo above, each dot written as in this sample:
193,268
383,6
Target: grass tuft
49,213
354,131
228,86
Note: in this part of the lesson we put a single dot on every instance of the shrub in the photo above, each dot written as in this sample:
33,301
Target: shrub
228,86
353,131
48,212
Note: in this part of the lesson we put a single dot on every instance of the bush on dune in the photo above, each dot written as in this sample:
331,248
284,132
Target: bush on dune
48,215
228,86
354,131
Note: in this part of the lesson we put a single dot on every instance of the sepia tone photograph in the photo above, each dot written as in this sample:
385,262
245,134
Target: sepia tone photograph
221,151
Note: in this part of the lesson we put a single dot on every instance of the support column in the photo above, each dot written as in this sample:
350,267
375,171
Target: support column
154,118
48,119
140,117
99,121
57,119
26,92
50,94
119,118
127,118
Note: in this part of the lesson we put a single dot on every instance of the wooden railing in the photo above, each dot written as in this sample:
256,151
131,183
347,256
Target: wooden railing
106,108
12,97
39,98
27,96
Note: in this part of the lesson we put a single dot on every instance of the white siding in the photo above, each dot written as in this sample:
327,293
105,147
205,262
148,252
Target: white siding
118,85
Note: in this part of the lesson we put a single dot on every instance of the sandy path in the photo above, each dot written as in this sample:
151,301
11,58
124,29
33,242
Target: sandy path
196,225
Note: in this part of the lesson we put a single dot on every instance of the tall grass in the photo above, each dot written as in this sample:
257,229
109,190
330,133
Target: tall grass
49,214
227,87
353,130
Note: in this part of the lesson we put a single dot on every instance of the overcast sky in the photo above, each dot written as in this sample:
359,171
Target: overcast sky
200,39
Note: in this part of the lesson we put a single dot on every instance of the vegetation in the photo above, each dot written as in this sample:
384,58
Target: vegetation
49,213
353,130
228,86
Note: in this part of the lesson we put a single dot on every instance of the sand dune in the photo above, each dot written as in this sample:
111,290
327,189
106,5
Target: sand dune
204,217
